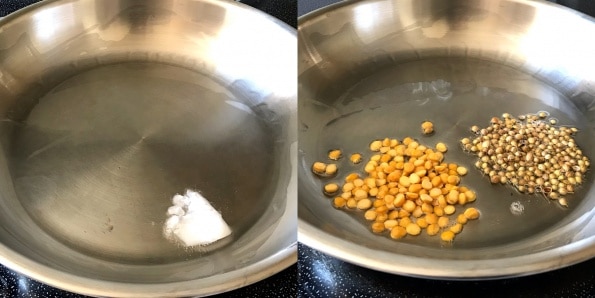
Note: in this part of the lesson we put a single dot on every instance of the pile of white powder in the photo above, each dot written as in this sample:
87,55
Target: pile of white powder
192,221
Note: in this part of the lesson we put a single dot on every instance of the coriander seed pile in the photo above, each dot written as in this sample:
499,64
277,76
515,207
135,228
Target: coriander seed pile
406,188
530,153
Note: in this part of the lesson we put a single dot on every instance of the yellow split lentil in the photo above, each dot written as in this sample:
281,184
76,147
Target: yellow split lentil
319,168
334,154
413,229
356,158
471,213
339,202
331,169
456,228
331,188
427,127
398,232
447,236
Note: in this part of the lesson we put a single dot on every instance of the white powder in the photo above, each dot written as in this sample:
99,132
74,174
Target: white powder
193,221
517,208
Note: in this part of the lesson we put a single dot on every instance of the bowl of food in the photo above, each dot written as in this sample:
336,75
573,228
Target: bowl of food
458,136
147,146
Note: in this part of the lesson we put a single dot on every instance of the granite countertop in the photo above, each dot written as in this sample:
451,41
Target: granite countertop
283,284
321,275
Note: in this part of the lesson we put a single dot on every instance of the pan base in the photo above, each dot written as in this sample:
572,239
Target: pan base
99,157
453,93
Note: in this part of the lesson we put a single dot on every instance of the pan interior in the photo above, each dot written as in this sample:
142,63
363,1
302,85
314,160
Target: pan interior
454,93
111,108
378,69
98,158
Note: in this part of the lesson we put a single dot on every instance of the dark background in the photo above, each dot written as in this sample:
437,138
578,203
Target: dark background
283,284
321,275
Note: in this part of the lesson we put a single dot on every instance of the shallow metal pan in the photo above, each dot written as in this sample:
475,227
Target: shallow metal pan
375,69
110,108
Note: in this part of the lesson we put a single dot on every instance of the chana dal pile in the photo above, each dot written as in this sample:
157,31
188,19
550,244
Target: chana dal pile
407,188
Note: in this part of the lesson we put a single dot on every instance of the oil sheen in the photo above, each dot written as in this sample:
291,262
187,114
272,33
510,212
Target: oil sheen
454,94
99,157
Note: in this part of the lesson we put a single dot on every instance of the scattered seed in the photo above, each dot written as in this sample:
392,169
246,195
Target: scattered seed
441,147
319,168
447,236
462,219
376,145
339,202
355,158
443,221
432,229
331,188
378,227
462,171
398,232
413,229
450,209
427,127
370,215
471,213
331,169
456,228
364,204
334,154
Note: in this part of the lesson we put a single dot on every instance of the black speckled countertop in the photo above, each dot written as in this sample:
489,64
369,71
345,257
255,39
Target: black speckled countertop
283,284
321,275
13,284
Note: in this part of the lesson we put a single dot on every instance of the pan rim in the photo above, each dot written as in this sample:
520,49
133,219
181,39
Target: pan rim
87,286
323,10
37,5
445,269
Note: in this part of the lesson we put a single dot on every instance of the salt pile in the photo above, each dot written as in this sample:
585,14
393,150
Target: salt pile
192,221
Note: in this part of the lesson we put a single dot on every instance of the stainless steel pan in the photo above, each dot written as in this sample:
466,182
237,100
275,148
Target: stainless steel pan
109,108
375,69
